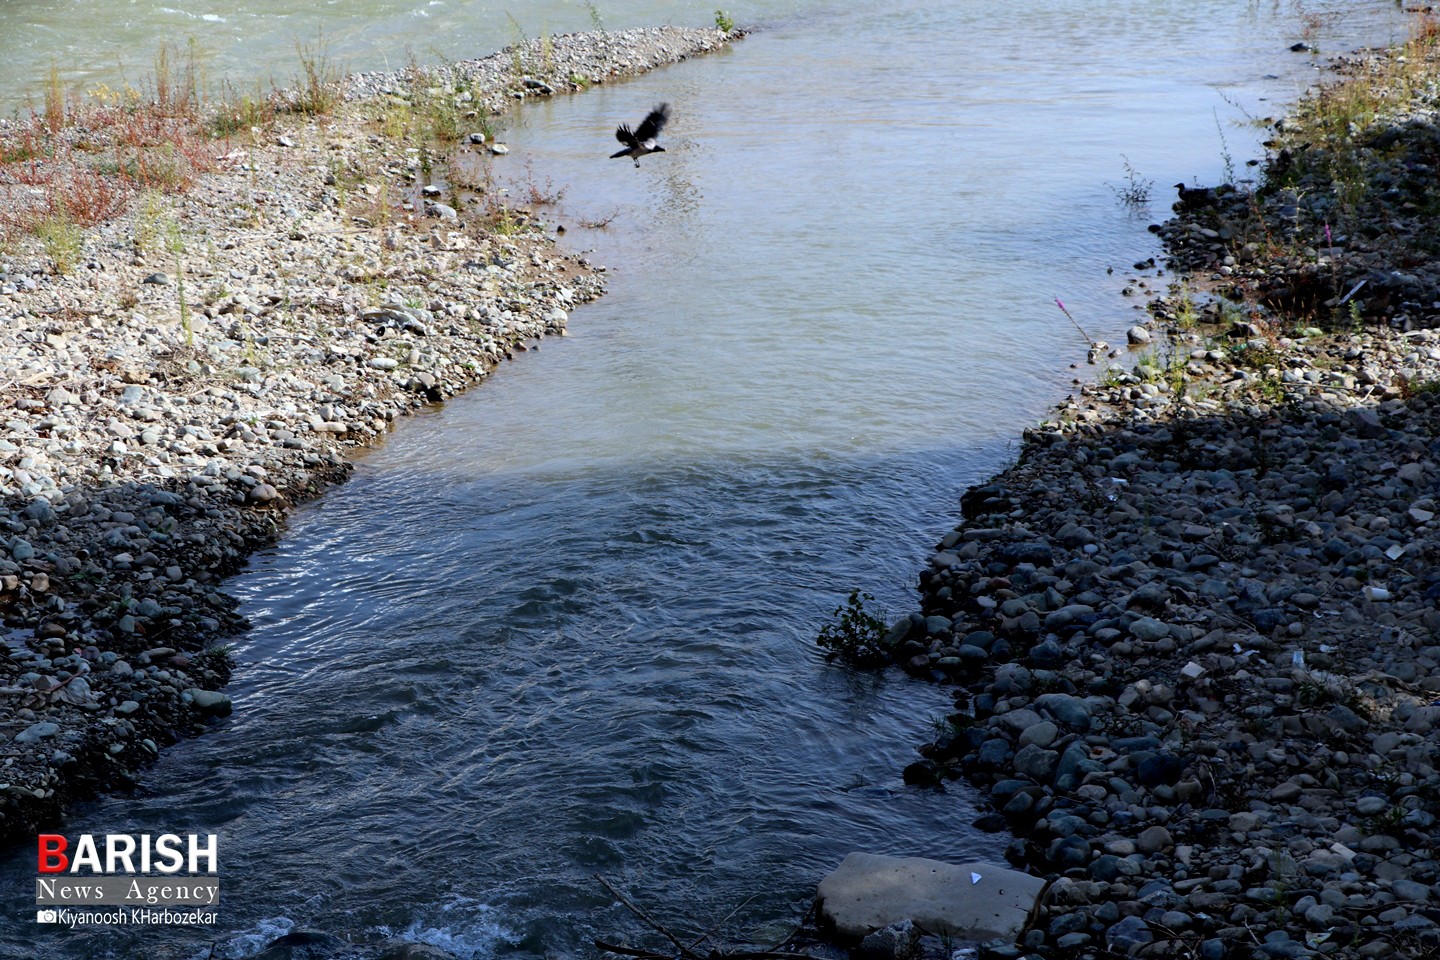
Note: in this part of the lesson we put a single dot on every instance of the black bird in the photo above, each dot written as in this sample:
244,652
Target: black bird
1193,199
642,140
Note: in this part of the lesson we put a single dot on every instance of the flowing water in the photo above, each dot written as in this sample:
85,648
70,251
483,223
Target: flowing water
565,624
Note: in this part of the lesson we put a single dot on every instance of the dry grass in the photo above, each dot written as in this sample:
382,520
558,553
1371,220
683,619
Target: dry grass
79,159
1335,126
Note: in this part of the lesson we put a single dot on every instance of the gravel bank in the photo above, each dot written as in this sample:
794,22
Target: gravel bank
211,359
1194,631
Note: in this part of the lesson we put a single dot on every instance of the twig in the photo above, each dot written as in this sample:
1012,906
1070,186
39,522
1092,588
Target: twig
721,922
1353,290
809,915
654,924
1088,338
629,951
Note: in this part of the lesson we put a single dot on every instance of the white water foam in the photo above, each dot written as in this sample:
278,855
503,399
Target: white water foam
471,930
250,943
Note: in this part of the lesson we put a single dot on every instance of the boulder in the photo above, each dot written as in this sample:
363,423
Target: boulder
973,901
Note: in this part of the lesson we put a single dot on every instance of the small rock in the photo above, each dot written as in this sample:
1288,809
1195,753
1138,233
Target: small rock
37,731
210,702
1154,840
1128,936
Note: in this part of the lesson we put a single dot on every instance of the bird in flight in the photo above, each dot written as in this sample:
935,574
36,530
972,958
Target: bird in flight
642,140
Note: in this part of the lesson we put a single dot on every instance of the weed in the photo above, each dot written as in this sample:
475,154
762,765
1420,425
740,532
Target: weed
148,224
724,22
175,244
1186,316
1410,388
855,634
177,83
320,88
1254,355
600,223
541,195
504,220
1134,196
517,50
950,724
20,150
54,100
62,240
238,112
219,659
1114,376
1148,365
441,112
596,20
1073,322
1226,159
1152,365
486,127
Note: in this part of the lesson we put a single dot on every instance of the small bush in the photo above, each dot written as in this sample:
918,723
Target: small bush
723,21
62,240
855,634
320,85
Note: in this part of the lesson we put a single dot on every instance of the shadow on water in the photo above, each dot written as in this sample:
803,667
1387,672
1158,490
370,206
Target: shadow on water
464,694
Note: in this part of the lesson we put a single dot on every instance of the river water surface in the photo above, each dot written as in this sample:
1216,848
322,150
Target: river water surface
565,624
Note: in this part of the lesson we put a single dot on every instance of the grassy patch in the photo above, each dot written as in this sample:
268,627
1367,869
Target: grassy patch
320,92
62,240
88,156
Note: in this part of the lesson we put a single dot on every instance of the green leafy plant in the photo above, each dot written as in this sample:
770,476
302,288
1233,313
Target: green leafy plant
723,21
219,659
1186,316
61,239
855,633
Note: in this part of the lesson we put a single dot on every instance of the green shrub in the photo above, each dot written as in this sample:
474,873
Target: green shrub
855,634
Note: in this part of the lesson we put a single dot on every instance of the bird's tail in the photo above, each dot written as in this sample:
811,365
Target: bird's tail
621,153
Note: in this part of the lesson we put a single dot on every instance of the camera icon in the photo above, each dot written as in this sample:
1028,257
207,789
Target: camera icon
46,916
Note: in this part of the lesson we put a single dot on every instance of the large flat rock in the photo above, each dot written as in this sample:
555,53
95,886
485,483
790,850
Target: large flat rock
974,901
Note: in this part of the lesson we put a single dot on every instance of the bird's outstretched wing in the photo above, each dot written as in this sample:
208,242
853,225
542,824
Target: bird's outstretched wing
623,134
653,123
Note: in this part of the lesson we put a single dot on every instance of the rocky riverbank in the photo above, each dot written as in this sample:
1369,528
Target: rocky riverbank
196,366
1194,631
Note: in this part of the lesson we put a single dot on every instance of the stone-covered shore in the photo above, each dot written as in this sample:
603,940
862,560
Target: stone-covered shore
160,420
1194,632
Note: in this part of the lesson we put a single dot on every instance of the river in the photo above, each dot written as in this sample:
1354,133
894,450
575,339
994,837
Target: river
565,624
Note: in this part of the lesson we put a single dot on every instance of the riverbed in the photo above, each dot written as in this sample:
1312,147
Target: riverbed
565,624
